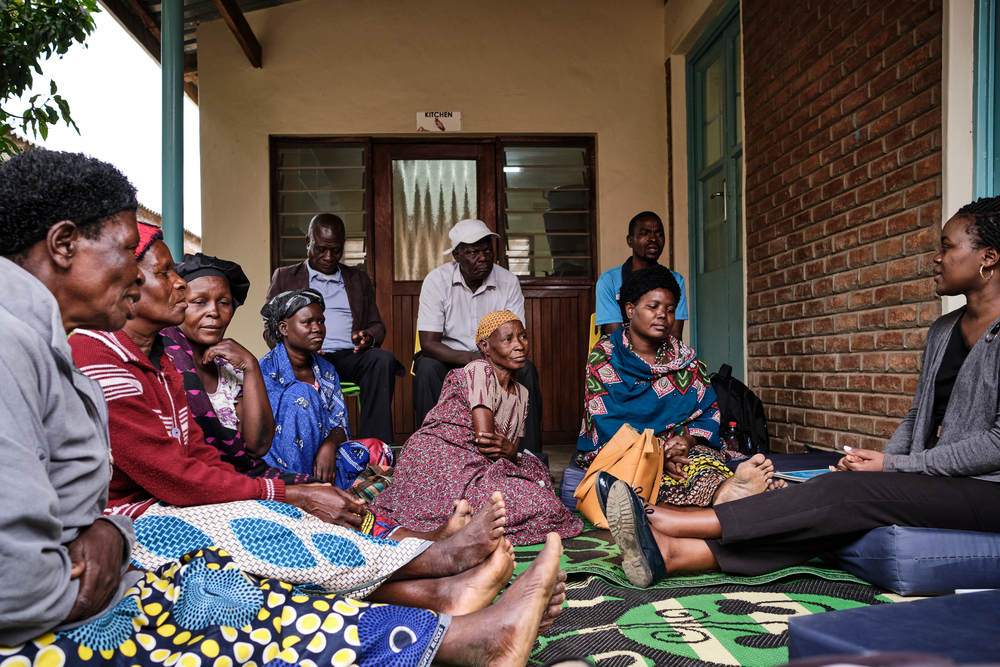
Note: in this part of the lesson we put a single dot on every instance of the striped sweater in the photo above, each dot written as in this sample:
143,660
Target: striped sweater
158,452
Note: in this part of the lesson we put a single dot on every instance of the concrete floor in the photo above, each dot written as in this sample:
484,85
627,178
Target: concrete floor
560,456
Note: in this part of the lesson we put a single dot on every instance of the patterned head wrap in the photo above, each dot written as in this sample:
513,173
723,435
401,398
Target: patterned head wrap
148,235
285,305
491,322
198,265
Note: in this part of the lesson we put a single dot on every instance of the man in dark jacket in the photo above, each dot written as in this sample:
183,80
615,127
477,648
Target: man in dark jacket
354,327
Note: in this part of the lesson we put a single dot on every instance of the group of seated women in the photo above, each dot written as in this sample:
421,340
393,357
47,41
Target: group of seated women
231,505
171,542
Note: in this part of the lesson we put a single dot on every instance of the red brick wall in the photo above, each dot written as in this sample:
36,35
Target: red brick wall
843,164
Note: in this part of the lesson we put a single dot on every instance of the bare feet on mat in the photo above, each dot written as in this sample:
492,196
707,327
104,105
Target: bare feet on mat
479,537
751,477
503,634
461,515
477,588
555,603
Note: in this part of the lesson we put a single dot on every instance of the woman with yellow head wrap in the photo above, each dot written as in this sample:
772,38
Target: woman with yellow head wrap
468,447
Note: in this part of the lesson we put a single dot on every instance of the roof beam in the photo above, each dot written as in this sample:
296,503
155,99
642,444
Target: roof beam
138,22
143,13
126,16
233,16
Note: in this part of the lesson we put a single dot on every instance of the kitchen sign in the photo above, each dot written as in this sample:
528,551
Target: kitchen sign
439,121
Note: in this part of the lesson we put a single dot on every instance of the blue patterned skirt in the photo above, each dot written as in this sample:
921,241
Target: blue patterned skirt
270,539
202,611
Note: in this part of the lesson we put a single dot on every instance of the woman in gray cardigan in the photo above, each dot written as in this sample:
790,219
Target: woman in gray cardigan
940,469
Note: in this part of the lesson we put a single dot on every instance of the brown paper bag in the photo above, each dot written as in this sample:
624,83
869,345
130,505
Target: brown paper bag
633,458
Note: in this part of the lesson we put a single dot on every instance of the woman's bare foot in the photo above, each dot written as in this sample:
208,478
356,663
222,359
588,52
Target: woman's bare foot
461,515
513,620
476,540
751,477
476,589
555,603
776,484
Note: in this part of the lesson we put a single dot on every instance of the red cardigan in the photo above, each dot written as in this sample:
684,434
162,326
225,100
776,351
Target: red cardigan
158,452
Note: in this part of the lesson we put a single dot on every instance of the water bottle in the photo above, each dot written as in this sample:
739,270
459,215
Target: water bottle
730,437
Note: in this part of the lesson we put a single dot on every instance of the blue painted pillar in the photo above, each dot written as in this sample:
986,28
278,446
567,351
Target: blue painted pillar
172,64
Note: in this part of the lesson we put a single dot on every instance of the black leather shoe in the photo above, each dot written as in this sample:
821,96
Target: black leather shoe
641,558
602,484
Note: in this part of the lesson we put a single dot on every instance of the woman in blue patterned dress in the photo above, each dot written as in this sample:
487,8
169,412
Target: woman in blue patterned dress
303,387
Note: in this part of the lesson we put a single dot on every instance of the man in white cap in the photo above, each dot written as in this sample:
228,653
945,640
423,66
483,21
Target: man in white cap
453,299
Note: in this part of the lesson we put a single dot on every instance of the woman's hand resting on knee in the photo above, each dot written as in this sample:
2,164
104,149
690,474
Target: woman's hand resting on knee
328,503
861,460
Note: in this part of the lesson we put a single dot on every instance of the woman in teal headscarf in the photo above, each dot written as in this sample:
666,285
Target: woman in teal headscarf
641,375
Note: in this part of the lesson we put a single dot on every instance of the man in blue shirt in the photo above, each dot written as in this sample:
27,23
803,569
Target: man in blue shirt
354,327
645,238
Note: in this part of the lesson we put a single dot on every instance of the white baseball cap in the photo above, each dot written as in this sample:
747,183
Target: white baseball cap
468,231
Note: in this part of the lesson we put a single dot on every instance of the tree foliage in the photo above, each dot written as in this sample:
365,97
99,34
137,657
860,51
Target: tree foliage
31,31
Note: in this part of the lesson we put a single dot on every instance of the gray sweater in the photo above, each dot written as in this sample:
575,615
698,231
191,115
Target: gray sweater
970,433
54,445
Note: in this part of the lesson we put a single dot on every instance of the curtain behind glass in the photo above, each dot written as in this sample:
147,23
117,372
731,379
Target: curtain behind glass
428,198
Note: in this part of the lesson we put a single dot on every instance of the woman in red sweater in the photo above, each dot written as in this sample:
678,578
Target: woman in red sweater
183,497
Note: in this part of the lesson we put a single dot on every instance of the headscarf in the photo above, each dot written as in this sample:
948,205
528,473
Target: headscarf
286,304
148,235
198,265
672,396
492,321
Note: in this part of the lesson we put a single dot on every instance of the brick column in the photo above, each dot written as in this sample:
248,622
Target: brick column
843,164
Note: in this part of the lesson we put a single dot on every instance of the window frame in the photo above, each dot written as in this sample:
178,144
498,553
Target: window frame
275,142
589,141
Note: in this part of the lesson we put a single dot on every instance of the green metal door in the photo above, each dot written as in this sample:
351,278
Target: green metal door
715,160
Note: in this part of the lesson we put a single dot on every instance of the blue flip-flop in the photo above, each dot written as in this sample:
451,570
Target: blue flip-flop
641,558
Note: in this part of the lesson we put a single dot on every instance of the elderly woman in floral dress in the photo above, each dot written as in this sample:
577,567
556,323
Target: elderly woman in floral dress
467,447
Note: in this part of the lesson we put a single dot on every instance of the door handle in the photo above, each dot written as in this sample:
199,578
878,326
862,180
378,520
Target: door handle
721,193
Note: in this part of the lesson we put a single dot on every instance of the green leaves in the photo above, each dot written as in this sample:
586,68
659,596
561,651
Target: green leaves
31,31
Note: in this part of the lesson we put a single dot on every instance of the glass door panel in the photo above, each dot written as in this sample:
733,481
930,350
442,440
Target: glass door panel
715,254
428,198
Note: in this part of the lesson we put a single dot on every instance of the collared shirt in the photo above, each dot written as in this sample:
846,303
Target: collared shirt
338,309
449,307
609,285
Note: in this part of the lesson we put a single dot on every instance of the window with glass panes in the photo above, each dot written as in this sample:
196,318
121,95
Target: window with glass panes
547,208
319,177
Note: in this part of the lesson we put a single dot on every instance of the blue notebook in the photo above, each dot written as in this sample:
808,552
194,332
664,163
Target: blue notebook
801,475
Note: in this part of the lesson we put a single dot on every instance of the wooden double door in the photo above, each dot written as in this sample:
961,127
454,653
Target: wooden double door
420,190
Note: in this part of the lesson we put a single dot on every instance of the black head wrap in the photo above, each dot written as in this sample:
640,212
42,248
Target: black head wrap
198,265
285,305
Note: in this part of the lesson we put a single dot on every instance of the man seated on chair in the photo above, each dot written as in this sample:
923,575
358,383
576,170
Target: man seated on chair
453,299
354,327
645,238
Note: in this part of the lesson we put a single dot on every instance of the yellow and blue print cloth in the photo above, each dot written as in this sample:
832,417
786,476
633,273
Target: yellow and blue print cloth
201,611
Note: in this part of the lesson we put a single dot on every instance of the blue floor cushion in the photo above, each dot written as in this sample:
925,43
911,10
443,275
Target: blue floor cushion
962,628
571,479
923,561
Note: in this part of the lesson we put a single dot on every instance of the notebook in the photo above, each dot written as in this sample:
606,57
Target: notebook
800,475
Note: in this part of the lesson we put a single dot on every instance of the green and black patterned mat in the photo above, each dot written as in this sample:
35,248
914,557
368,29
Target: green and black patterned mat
694,620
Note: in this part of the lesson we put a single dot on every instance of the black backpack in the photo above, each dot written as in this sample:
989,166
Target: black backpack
738,404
